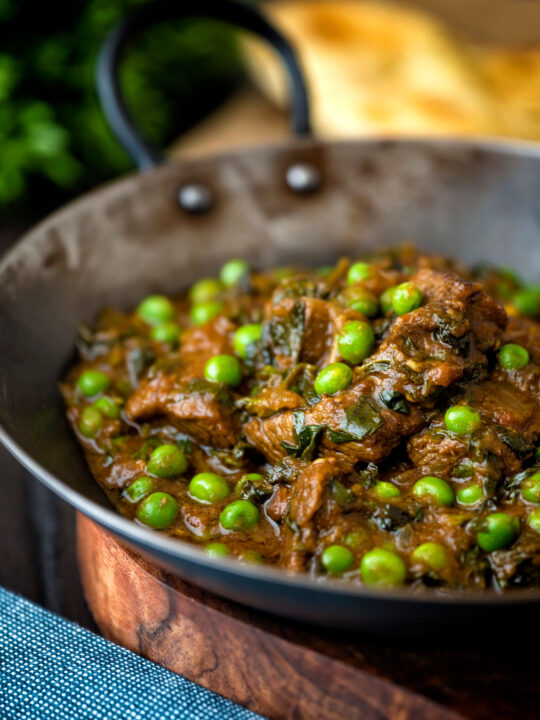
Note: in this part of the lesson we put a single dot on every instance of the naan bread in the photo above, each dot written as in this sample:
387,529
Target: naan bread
513,76
381,69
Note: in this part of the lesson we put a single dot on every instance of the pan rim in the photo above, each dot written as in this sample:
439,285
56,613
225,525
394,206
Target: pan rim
165,545
498,145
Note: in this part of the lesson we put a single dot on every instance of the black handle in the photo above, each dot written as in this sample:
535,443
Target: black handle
144,154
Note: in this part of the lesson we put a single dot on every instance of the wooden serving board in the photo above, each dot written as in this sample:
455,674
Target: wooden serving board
289,671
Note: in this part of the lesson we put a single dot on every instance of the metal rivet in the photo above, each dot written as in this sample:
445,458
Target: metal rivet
303,178
195,199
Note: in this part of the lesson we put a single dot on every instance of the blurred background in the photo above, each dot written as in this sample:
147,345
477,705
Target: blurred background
426,67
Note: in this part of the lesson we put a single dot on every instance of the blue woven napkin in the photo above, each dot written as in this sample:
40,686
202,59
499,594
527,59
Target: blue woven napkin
52,669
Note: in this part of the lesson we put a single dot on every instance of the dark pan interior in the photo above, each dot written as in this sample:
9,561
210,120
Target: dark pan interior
478,202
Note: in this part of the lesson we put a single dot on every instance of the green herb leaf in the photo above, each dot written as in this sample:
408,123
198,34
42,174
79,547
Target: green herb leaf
146,449
287,332
390,518
516,442
344,497
394,400
361,419
339,436
373,367
306,436
369,476
465,469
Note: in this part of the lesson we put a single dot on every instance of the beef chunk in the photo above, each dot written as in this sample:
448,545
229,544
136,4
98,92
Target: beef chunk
199,344
304,329
307,498
443,341
415,360
197,408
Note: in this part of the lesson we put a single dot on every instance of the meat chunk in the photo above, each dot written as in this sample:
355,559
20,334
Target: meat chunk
306,499
509,404
444,340
511,399
199,344
268,434
526,332
271,400
425,351
196,408
304,329
435,452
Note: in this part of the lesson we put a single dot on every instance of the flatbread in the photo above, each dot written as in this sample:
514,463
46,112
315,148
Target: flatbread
382,69
513,76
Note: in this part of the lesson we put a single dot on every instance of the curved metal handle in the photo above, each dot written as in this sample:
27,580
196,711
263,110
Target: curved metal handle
144,154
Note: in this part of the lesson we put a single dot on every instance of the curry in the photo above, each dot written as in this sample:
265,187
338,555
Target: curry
375,420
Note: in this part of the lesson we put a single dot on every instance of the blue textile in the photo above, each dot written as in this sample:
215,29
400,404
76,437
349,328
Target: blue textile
52,669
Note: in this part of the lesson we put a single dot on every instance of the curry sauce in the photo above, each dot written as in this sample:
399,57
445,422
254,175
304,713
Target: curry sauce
376,420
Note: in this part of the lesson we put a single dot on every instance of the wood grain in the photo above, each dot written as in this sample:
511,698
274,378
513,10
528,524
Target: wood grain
289,671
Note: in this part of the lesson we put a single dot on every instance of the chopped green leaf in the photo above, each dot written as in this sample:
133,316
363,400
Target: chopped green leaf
344,497
287,332
361,419
306,436
516,442
395,400
339,436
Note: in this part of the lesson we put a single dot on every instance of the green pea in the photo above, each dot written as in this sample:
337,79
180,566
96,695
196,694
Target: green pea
355,341
223,369
530,488
434,488
470,495
386,490
204,290
250,557
337,559
333,378
431,554
204,312
513,357
533,521
216,550
239,515
159,510
207,487
108,408
500,531
362,301
462,419
167,332
527,301
406,298
156,309
233,271
245,336
383,568
355,539
92,382
167,461
510,273
324,270
138,489
359,271
281,273
385,301
90,422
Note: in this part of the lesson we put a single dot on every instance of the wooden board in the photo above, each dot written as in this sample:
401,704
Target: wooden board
289,671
